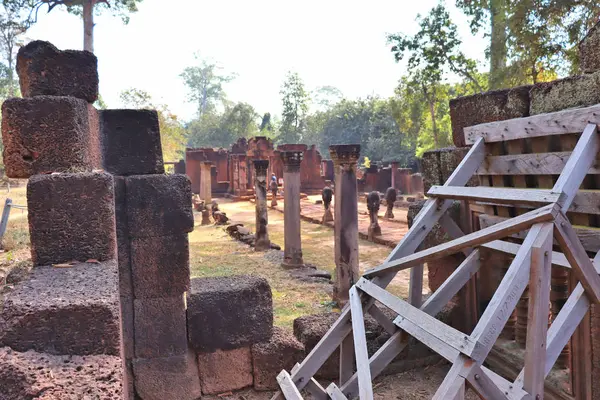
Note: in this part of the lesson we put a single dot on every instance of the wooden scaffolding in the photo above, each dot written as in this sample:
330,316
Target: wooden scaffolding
546,225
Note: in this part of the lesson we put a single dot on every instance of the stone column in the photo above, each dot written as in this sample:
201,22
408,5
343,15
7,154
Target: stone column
345,157
206,181
327,195
394,168
262,218
292,255
373,203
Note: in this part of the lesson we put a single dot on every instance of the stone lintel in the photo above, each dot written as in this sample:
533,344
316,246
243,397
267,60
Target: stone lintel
261,166
291,160
344,153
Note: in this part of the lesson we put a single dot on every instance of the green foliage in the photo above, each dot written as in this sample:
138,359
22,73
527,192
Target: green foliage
221,130
295,101
324,97
172,132
120,8
205,84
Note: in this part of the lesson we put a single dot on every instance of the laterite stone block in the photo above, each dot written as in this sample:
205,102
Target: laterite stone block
159,328
64,311
131,142
45,70
282,351
71,217
497,105
167,378
589,51
224,371
572,92
47,134
160,266
229,312
159,205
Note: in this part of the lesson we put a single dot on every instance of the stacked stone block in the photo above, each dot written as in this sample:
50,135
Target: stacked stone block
69,305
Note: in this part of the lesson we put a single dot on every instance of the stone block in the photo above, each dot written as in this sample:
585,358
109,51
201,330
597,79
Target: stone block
431,169
127,330
572,92
450,158
131,142
47,134
159,205
159,327
229,312
224,371
71,217
123,243
282,351
160,266
589,52
32,375
64,311
167,378
45,70
497,105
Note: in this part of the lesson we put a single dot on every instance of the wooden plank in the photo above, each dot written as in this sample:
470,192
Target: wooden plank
415,288
557,123
461,275
382,319
483,385
288,388
365,387
432,210
581,265
335,393
509,196
434,342
582,158
315,389
453,385
514,391
551,163
346,358
589,237
558,259
539,300
506,297
453,230
494,232
415,317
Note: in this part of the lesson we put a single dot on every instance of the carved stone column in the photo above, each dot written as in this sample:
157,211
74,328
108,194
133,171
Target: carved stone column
292,254
345,157
373,203
262,217
205,181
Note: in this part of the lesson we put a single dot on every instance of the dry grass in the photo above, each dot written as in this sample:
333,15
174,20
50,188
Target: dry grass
214,253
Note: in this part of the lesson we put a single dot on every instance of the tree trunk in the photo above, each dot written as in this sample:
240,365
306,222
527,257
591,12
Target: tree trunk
431,100
497,43
11,75
88,25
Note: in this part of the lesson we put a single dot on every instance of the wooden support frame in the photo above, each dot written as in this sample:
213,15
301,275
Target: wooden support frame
532,262
511,196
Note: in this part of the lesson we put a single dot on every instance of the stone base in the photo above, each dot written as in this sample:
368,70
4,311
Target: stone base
388,214
327,216
71,310
374,230
224,371
32,375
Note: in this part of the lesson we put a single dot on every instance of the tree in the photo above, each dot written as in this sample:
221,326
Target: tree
295,101
324,97
172,132
13,24
83,8
205,84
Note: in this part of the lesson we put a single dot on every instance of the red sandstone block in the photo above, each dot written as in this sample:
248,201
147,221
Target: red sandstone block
47,134
159,205
123,243
159,327
127,323
167,378
491,106
45,70
71,217
229,312
131,142
224,371
282,351
64,311
160,266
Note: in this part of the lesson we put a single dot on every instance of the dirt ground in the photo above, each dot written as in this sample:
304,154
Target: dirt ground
214,253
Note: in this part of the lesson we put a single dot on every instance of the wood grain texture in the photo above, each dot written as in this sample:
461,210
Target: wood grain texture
502,195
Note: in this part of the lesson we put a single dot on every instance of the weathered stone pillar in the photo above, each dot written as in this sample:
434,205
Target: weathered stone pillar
327,195
206,181
345,157
373,203
274,188
262,216
292,255
394,168
390,199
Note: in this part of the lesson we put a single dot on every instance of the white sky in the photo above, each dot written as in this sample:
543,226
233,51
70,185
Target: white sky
328,42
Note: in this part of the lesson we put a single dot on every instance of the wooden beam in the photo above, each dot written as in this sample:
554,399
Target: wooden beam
315,389
346,359
365,386
580,262
410,318
382,319
483,385
494,232
582,158
529,164
453,230
288,388
335,393
497,195
453,385
557,123
539,300
558,259
415,288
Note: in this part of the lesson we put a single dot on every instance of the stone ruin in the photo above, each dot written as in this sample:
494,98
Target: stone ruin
109,310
